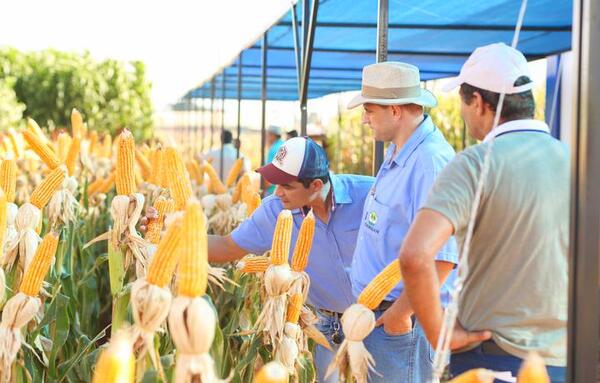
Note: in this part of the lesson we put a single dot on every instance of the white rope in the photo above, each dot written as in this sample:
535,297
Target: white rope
442,354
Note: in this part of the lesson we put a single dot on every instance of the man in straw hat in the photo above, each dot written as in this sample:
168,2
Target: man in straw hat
393,103
514,299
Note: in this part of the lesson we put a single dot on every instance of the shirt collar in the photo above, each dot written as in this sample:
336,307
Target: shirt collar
425,128
517,125
340,195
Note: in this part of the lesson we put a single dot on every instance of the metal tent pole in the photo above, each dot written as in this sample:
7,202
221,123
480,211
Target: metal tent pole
263,101
382,55
212,111
221,159
306,60
239,104
585,189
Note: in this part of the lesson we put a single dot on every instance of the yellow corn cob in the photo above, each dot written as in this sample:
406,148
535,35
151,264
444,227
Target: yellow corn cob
479,375
282,238
164,176
116,363
107,146
215,183
34,128
179,181
166,257
192,276
108,183
304,243
93,137
194,171
8,178
146,151
14,142
73,155
44,151
240,187
533,370
64,143
294,308
138,176
40,264
3,219
253,203
163,206
144,164
272,372
156,163
76,124
234,172
125,174
50,184
199,172
381,285
95,185
254,264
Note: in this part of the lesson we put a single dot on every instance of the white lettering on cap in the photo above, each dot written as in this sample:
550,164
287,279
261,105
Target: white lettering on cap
290,156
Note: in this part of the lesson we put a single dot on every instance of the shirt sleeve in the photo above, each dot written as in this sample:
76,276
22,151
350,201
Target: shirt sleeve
255,234
422,188
453,192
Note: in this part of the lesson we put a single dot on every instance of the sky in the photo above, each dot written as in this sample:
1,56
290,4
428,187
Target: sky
181,42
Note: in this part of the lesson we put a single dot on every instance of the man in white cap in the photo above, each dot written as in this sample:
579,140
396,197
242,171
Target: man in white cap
394,103
514,299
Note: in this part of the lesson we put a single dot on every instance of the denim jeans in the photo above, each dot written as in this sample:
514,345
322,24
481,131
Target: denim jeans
327,324
477,358
406,358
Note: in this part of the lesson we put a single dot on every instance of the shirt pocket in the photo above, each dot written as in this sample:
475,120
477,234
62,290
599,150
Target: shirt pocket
376,217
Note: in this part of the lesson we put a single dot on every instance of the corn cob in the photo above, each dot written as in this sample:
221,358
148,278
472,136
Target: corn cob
240,187
50,184
252,203
144,164
155,164
116,363
76,124
167,254
234,172
479,375
304,243
95,185
40,264
272,372
163,206
14,142
294,308
282,238
179,181
34,128
254,264
381,285
93,137
45,152
199,172
8,178
109,183
64,143
73,155
533,370
3,222
107,146
192,276
125,174
164,175
215,183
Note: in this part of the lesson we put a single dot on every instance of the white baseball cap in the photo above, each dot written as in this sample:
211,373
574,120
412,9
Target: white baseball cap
493,67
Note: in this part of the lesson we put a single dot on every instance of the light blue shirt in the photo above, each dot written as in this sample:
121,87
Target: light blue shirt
400,189
333,244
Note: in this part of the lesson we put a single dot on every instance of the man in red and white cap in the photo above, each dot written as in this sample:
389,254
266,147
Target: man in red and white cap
300,171
514,299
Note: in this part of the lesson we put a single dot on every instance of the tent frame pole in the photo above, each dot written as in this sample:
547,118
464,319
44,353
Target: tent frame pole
382,55
239,105
306,61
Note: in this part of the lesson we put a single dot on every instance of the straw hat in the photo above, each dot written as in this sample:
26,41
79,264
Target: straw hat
392,83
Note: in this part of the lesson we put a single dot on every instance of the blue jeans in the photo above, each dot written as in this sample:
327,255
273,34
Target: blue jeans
476,358
406,358
322,356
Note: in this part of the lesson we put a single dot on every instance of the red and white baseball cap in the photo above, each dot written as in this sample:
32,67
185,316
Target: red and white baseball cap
493,67
298,158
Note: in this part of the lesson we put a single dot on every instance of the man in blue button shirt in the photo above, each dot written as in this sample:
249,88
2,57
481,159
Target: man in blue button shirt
393,103
300,170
